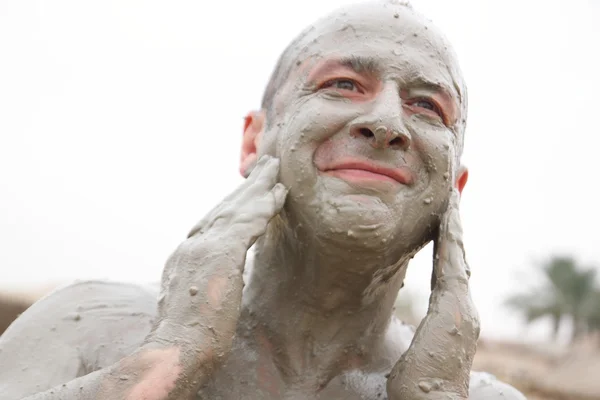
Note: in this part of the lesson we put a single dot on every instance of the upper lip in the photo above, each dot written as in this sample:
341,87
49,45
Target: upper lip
401,175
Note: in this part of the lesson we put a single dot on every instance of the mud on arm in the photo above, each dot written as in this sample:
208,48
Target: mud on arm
439,360
46,354
198,309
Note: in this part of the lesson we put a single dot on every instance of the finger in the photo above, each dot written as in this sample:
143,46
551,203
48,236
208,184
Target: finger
250,180
265,210
449,249
265,207
206,222
260,181
279,194
439,359
256,173
266,180
262,162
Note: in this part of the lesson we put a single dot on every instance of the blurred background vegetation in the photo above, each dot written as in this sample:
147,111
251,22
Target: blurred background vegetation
567,292
563,291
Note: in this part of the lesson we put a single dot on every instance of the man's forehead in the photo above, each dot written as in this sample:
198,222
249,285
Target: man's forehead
362,28
369,35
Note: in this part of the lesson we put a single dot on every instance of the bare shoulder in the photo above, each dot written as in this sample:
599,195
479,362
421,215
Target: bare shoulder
73,331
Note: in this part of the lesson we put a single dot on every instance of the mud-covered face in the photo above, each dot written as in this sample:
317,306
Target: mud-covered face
367,126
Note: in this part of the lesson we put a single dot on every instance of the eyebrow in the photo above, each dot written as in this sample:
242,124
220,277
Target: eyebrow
360,64
415,78
370,65
419,80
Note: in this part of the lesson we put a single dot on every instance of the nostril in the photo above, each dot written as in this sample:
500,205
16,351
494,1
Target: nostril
366,132
397,142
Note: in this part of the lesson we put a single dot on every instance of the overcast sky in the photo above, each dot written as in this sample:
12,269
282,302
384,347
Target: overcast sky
120,124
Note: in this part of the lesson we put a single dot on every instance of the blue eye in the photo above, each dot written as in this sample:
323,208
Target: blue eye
342,84
426,104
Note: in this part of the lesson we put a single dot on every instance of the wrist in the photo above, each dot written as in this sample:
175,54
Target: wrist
194,351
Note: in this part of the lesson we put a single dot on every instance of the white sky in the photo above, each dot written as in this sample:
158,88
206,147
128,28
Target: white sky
120,123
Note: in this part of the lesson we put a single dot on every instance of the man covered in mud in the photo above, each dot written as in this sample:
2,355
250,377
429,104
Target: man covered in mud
352,166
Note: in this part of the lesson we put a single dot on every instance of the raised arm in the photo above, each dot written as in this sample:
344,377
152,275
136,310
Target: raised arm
439,359
198,309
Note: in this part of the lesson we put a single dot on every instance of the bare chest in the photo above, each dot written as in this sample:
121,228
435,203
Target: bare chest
252,376
349,386
251,371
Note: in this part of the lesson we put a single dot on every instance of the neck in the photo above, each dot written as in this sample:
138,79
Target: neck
312,302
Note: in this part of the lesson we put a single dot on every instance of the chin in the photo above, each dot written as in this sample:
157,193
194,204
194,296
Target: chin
353,221
384,222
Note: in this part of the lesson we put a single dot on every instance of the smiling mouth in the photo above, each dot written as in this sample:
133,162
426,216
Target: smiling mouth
358,172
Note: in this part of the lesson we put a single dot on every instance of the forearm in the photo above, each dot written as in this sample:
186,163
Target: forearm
154,372
201,294
198,307
438,362
181,351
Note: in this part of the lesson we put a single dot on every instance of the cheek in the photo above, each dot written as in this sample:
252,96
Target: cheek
326,152
312,121
436,148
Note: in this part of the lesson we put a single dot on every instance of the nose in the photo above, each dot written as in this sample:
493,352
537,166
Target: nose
383,126
381,136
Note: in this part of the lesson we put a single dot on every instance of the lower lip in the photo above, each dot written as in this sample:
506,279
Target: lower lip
360,175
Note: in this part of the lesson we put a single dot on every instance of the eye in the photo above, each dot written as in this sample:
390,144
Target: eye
426,104
341,84
429,105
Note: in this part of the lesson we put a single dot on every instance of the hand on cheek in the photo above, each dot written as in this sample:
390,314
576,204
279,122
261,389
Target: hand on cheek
248,164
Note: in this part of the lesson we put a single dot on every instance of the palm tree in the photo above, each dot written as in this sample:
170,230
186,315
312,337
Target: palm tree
568,290
593,312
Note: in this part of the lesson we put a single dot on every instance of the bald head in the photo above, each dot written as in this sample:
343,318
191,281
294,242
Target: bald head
374,88
406,25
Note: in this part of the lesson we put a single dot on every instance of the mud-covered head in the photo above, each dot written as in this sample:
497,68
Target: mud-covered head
291,54
366,110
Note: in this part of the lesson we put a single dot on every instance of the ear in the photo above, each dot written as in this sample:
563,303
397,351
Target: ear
462,177
253,128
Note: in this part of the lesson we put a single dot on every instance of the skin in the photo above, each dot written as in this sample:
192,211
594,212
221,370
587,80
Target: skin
353,166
